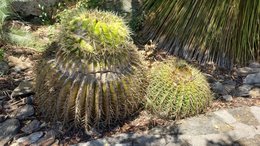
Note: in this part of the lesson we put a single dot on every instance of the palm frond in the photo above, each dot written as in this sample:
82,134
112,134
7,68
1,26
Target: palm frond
225,32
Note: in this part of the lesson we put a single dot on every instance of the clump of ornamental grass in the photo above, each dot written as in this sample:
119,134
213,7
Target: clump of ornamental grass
96,78
177,90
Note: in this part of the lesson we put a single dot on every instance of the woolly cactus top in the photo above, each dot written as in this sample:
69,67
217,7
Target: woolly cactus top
94,32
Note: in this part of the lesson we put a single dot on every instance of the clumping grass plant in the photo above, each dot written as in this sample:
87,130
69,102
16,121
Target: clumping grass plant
226,32
177,90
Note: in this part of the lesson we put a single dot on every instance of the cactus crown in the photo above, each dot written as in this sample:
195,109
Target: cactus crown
94,32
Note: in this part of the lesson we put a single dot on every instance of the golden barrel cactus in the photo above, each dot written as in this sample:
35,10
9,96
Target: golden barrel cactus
96,78
177,90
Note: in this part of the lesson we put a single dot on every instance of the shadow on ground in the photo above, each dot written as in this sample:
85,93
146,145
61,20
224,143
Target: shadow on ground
171,136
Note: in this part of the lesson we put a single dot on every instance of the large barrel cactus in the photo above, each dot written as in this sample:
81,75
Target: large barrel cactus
96,77
177,90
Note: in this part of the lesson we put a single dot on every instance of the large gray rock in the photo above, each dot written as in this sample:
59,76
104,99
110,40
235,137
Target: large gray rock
25,112
243,91
31,7
99,142
28,140
31,127
9,129
252,79
218,88
48,139
254,65
24,88
223,88
229,86
247,70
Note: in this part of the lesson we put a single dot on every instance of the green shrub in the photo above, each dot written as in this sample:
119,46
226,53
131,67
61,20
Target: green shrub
5,11
177,90
96,79
23,37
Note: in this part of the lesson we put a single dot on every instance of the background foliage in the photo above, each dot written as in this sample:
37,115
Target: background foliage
5,11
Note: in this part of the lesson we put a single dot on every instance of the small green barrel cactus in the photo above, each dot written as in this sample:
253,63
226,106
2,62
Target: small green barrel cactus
177,90
96,78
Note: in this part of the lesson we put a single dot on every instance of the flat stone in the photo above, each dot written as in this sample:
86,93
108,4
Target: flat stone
2,118
122,138
252,79
30,139
123,144
227,98
225,116
19,64
254,65
247,70
2,96
24,112
31,127
210,78
219,88
207,140
229,89
155,142
229,86
48,139
244,115
29,99
23,89
242,130
9,129
146,140
256,112
202,125
99,142
243,91
250,141
254,93
1,106
4,68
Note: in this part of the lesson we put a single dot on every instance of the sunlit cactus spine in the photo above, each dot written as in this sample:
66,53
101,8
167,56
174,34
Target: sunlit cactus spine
177,90
97,78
